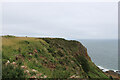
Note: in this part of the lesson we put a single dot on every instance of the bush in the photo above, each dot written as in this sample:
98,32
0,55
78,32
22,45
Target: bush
84,63
36,56
10,71
9,36
19,62
51,50
32,73
60,53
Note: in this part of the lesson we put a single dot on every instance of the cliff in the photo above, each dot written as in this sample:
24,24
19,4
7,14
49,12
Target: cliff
26,57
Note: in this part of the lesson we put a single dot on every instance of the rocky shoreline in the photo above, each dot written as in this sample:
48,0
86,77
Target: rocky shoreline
111,73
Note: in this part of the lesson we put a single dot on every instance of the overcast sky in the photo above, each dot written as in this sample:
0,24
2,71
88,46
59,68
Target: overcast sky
70,20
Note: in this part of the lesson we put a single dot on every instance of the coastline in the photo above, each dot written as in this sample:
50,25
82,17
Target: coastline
105,69
111,72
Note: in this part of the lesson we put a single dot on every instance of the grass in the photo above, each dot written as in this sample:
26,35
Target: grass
53,57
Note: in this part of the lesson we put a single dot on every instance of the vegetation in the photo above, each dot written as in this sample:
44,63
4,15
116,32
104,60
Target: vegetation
26,57
9,36
11,71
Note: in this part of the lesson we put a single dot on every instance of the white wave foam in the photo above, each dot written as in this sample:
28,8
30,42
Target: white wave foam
104,69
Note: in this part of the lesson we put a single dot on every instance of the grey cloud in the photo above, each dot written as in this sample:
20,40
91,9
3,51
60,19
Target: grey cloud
68,20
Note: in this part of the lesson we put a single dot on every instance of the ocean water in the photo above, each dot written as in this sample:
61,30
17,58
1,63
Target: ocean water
104,53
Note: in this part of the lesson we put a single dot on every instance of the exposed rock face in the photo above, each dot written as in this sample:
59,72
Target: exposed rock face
86,54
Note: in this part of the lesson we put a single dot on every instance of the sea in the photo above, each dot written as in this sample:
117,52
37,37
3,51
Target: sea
104,53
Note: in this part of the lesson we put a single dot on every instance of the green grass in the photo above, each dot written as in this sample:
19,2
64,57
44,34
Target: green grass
53,57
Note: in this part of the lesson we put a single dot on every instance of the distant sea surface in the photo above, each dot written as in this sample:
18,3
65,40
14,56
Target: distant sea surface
104,53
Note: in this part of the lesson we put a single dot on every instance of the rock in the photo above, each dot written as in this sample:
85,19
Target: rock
35,51
8,62
73,76
30,53
41,77
118,72
77,77
13,63
23,67
72,61
39,74
26,71
33,77
34,70
45,76
112,73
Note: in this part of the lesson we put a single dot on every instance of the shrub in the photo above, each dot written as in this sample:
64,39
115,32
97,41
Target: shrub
19,62
84,63
60,53
10,71
9,36
51,50
36,56
32,73
4,61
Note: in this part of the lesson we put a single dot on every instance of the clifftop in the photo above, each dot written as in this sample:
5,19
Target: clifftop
26,57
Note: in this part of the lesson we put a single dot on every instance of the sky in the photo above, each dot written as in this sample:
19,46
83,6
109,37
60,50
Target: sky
59,1
70,20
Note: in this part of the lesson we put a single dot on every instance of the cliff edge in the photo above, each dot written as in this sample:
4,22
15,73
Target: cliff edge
26,57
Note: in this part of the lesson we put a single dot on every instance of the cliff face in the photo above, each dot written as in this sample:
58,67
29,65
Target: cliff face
46,58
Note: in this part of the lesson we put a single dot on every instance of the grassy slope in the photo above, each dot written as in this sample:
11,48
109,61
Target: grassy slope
53,57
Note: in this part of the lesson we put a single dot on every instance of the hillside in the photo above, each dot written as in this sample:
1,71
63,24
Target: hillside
27,57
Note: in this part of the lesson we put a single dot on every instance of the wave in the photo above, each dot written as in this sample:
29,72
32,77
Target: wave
105,69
